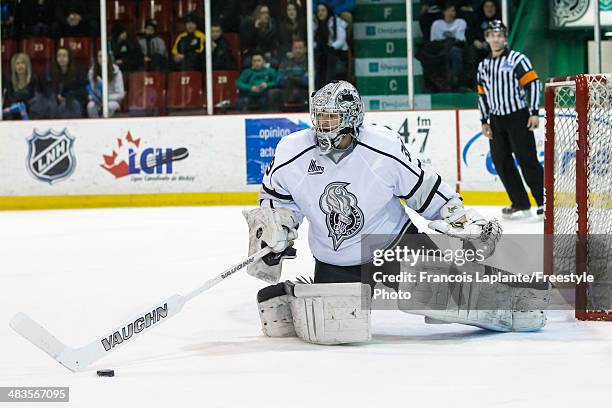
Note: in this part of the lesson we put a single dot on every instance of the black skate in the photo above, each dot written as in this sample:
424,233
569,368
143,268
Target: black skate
513,213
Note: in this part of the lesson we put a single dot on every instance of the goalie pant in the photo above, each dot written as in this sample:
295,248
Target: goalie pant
498,307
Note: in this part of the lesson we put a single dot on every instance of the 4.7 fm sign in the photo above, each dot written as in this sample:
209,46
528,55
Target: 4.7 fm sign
429,136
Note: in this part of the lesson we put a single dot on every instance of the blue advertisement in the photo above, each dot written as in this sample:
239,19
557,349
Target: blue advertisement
262,136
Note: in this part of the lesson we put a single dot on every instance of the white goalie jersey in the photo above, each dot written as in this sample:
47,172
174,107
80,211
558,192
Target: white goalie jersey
358,195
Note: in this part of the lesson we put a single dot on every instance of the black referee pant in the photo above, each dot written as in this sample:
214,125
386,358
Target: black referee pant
510,135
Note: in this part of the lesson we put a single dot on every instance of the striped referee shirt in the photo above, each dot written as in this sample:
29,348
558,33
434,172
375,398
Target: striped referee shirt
503,84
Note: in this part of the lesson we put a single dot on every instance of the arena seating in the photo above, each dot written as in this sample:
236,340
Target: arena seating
158,10
41,51
8,48
225,93
123,11
184,7
147,91
233,39
185,90
80,47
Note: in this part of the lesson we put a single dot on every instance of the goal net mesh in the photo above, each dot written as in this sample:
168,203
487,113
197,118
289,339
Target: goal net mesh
581,198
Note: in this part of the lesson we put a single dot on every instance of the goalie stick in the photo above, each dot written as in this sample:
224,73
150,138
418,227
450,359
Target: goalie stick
78,359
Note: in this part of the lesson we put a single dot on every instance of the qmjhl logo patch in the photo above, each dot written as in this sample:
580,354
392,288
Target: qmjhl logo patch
313,168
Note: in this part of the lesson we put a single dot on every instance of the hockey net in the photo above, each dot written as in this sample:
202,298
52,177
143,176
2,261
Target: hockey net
578,187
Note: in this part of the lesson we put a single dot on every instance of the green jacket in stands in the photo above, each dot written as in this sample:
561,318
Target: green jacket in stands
251,77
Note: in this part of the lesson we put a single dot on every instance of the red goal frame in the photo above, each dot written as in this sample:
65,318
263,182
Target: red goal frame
582,98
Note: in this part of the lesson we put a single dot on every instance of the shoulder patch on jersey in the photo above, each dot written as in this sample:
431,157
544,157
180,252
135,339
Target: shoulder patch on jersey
343,216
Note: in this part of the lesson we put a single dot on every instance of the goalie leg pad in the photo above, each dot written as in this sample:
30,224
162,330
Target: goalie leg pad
498,306
331,313
274,306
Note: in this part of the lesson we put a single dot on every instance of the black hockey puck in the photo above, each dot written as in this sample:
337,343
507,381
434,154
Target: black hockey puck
106,373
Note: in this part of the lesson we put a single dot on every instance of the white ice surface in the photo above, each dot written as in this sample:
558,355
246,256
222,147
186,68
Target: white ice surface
80,273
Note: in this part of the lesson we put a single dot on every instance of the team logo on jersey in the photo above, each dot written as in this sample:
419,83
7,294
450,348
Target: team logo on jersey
314,168
343,217
507,66
50,155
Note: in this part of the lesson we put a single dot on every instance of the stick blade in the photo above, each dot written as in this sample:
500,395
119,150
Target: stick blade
43,339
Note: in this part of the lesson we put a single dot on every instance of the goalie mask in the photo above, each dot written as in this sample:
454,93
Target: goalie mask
335,110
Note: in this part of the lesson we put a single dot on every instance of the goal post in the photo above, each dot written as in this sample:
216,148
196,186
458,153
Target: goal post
578,187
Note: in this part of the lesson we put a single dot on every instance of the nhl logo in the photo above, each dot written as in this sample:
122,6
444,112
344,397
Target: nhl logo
344,218
50,155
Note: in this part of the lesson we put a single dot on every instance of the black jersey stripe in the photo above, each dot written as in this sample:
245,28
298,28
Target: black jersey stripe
415,188
400,235
390,156
276,194
431,195
292,159
445,198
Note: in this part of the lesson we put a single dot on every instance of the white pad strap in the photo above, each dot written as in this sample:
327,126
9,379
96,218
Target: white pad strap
332,313
275,315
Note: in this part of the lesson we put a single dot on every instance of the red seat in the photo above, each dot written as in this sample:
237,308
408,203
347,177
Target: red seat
80,47
158,10
147,91
184,7
224,88
121,10
233,39
7,49
185,90
41,52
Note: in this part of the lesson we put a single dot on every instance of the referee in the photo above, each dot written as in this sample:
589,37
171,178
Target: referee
509,96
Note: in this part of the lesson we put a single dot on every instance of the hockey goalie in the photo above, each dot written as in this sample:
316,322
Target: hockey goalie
351,181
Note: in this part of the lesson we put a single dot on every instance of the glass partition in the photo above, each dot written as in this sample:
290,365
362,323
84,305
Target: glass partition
47,50
259,51
448,42
260,56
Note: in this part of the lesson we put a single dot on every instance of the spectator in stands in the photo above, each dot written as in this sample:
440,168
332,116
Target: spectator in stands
331,48
77,18
260,32
342,8
9,29
222,56
451,31
292,27
227,12
116,91
22,97
293,76
65,86
465,11
247,7
430,12
188,49
477,48
37,17
153,48
488,12
126,51
255,85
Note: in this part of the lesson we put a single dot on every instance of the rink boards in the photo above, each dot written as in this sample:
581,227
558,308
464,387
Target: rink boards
201,160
